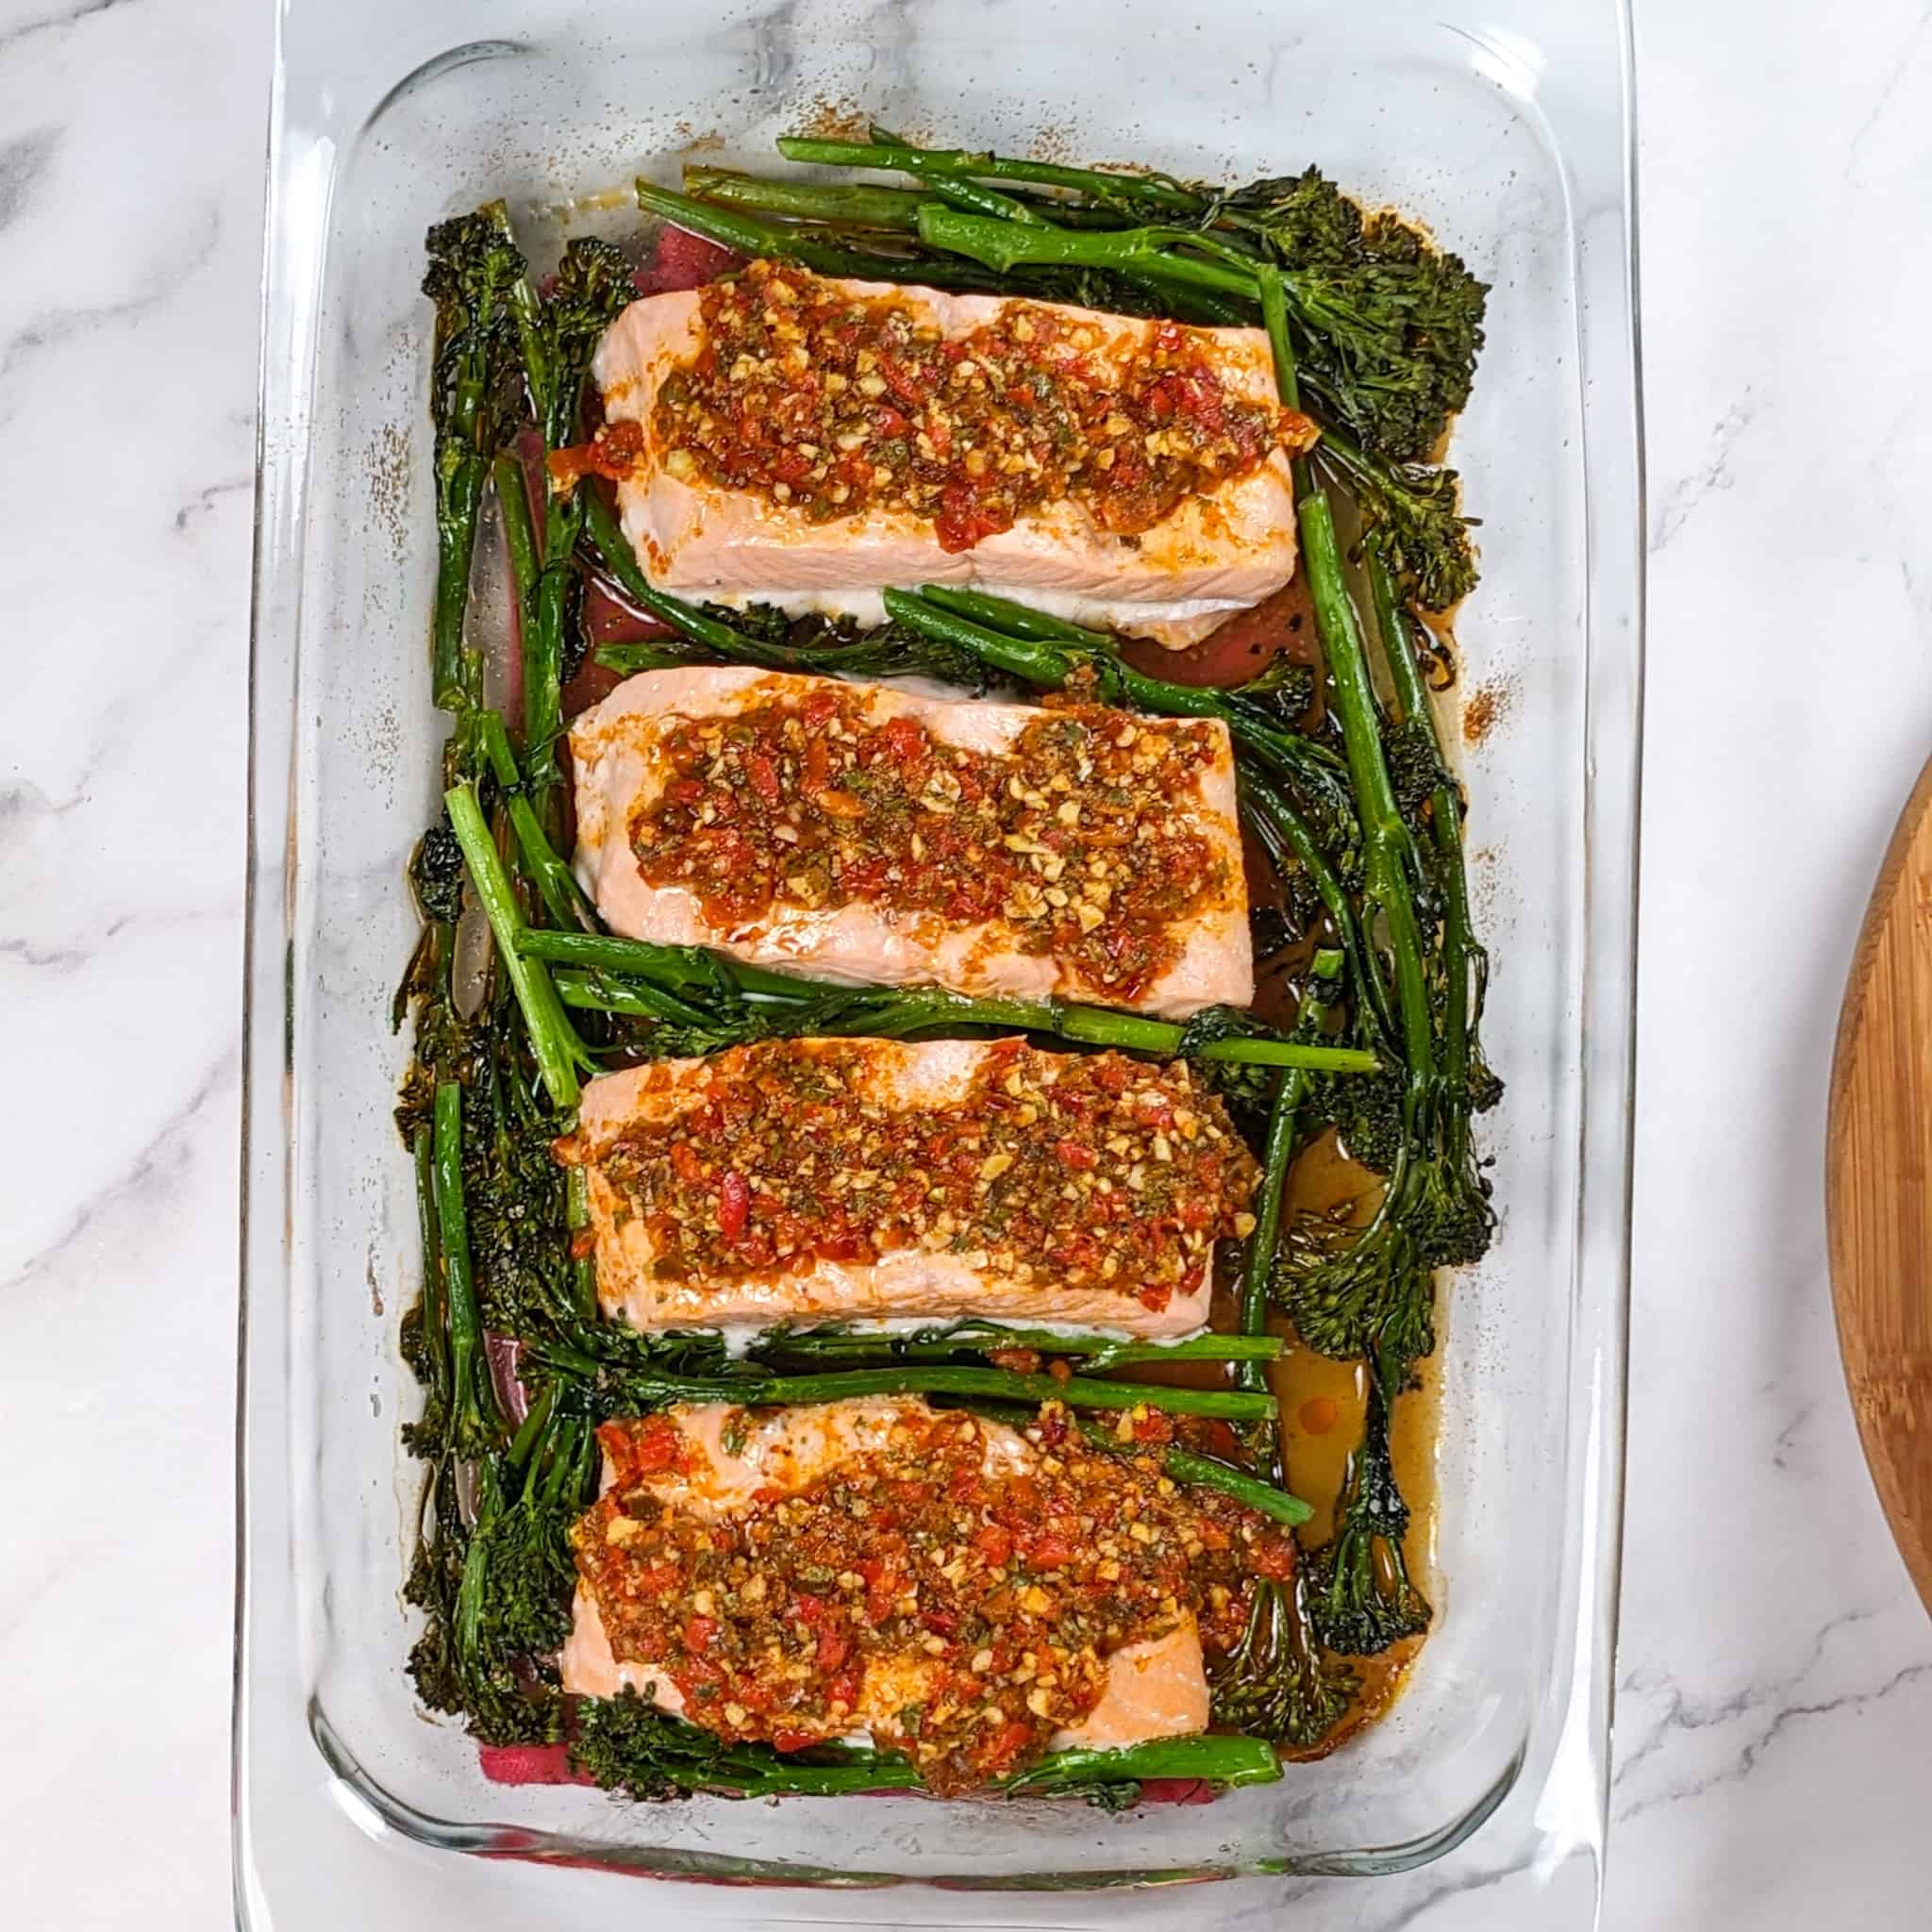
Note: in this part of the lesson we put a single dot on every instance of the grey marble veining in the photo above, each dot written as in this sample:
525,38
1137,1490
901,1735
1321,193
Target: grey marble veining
1776,1672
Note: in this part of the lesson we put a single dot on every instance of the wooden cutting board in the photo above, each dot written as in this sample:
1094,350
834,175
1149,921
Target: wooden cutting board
1878,1184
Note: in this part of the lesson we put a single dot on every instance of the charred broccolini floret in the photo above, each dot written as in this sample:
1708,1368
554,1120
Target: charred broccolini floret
474,271
1343,1286
1276,1681
1389,328
559,335
1415,513
1360,1595
496,1590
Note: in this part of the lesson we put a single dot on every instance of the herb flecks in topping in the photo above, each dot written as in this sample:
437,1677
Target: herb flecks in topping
1077,837
833,405
963,1605
1094,1172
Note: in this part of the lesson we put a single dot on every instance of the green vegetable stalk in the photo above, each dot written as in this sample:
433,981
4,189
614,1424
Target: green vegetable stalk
563,898
637,1390
1097,1352
630,1746
1360,1595
558,1049
472,1420
1277,1681
559,335
474,270
730,228
753,1004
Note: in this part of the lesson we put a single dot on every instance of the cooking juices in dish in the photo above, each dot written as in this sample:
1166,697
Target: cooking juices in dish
869,1218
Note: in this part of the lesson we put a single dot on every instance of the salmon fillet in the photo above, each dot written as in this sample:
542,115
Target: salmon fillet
867,919
1212,556
1154,1688
823,1180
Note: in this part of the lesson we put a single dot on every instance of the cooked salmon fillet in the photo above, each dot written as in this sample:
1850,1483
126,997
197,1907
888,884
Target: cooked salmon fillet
1156,1688
1211,556
862,1179
903,839
821,1180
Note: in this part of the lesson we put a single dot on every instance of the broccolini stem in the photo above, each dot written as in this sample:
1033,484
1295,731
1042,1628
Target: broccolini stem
994,1385
472,1406
556,1045
1222,1761
662,965
1032,661
1155,191
542,598
468,279
747,235
780,1777
467,1623
1016,620
810,201
597,992
1257,1260
1387,845
435,1305
1388,851
1265,1498
1214,1760
536,1424
1099,1351
1462,957
968,196
1180,1465
850,205
583,1268
1143,253
563,897
519,532
455,671
883,1013
1282,828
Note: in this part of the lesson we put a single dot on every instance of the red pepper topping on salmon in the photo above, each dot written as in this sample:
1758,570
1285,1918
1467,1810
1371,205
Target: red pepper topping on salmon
837,403
1070,836
808,442
819,1178
861,833
961,1591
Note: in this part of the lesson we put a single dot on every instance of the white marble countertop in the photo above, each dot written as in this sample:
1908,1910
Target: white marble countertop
1775,1676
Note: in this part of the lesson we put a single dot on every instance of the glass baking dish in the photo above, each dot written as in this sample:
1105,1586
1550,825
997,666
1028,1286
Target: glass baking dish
1509,132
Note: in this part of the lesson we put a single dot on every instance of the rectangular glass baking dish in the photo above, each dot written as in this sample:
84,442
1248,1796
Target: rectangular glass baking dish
1507,132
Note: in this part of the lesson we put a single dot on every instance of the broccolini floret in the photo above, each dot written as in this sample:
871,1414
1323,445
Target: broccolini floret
1360,1595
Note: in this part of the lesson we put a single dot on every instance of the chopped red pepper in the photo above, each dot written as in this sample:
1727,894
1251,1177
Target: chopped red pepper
734,1204
834,407
776,810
